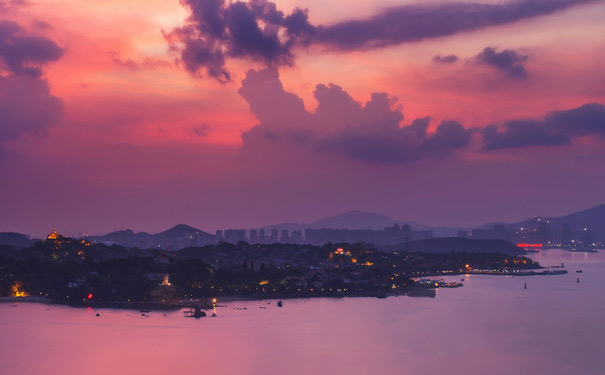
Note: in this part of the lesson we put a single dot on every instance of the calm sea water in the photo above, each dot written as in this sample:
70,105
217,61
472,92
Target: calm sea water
490,326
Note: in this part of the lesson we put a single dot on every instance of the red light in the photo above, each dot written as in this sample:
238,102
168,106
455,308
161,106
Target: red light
90,296
529,244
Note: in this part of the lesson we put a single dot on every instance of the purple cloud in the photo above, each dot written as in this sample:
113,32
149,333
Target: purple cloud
253,30
369,132
23,53
558,128
26,104
256,30
410,23
373,131
508,61
449,59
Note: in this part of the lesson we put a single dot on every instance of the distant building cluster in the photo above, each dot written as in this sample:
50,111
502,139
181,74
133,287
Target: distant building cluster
538,231
391,235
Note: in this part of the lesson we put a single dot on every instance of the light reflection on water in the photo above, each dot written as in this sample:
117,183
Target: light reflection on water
490,326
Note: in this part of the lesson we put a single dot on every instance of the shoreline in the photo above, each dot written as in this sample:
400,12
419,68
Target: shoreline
140,306
206,305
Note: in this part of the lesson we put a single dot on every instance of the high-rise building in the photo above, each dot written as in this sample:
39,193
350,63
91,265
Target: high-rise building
274,236
285,236
235,235
253,236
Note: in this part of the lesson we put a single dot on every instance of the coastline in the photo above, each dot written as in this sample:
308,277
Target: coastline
139,306
207,303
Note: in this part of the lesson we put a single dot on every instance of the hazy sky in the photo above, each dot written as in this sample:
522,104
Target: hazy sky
147,113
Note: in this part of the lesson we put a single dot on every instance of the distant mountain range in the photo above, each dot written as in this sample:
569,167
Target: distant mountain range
15,239
177,237
593,218
361,220
181,236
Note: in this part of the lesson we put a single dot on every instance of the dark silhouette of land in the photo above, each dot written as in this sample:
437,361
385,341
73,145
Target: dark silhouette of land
82,273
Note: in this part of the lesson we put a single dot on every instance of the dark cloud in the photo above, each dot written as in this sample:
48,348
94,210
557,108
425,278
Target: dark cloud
449,59
410,23
369,132
217,30
521,133
26,104
558,128
507,61
23,53
202,130
253,30
588,119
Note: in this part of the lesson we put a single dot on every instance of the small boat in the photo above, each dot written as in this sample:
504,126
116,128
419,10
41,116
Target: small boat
525,286
578,271
453,284
577,279
196,312
279,304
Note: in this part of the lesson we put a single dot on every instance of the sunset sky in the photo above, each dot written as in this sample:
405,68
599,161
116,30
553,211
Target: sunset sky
143,114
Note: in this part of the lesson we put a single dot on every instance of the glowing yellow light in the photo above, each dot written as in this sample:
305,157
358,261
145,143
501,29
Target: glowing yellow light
53,235
166,281
264,282
16,290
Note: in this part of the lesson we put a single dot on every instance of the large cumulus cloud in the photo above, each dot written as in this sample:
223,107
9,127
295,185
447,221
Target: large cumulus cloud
374,131
256,30
371,132
26,103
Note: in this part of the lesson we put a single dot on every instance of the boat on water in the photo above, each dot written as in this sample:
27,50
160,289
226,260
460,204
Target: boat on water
453,284
578,271
195,312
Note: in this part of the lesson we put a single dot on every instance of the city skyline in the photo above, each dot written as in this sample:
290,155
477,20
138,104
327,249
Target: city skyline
183,115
